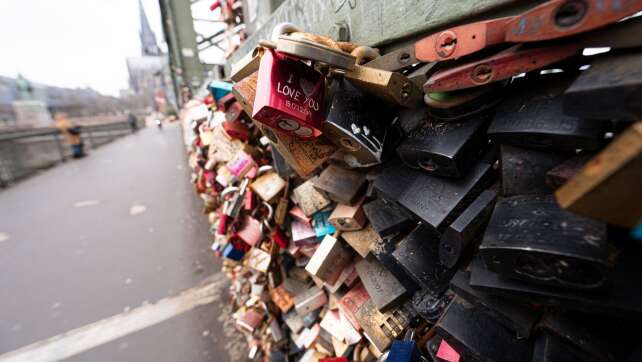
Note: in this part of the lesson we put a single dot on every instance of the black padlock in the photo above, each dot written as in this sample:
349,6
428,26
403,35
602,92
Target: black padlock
428,306
610,89
459,236
585,338
558,175
530,237
383,250
418,255
444,148
532,117
387,218
436,201
620,300
476,336
523,171
517,317
359,124
550,348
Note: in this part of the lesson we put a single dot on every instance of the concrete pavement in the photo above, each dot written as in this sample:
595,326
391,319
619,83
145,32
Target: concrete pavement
102,236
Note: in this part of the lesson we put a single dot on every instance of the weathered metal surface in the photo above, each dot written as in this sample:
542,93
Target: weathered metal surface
518,318
435,200
523,170
418,255
478,337
610,89
444,148
372,22
458,237
532,117
384,289
531,238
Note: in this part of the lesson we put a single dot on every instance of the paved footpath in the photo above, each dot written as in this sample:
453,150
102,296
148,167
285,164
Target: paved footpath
107,259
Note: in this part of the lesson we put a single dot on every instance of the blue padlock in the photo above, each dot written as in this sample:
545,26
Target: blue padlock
637,231
404,351
219,89
233,253
321,225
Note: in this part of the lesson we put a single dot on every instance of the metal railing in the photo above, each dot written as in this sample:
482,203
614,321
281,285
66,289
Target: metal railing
25,152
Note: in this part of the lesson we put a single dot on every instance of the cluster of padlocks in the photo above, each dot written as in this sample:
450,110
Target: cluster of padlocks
470,197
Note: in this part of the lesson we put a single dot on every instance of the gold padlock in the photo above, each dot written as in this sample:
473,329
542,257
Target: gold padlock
282,207
362,240
609,187
268,185
392,87
308,198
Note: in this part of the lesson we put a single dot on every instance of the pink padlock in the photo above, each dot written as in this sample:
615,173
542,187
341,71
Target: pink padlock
289,96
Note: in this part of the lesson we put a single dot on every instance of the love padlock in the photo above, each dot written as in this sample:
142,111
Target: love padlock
289,96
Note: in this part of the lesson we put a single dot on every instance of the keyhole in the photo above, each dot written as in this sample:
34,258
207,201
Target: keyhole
446,44
570,13
482,73
404,58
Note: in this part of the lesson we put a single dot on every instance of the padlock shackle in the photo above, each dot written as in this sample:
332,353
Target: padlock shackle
283,29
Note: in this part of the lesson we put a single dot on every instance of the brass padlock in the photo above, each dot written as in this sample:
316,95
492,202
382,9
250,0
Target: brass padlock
247,65
308,198
348,218
392,87
282,298
608,187
329,260
268,184
340,184
282,206
381,328
362,240
385,290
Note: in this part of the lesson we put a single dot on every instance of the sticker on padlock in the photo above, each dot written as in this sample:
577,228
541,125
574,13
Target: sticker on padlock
240,164
289,96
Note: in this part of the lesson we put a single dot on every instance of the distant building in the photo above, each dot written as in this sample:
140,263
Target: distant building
149,75
76,102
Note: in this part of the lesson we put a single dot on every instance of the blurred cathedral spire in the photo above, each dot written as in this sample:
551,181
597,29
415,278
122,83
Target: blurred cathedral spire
147,37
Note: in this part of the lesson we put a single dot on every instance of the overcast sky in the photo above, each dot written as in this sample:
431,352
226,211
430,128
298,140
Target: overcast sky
73,43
